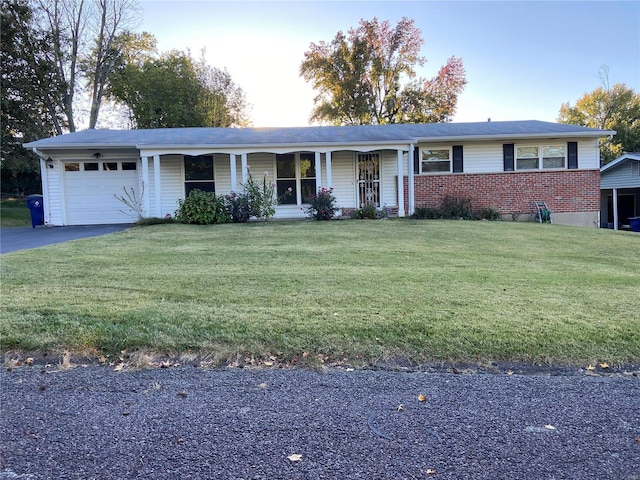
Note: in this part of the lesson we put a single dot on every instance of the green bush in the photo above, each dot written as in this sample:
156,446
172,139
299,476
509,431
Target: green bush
261,197
202,208
237,205
366,212
489,214
455,208
426,213
322,205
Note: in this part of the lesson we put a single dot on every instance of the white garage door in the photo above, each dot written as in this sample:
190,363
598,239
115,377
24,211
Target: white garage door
90,187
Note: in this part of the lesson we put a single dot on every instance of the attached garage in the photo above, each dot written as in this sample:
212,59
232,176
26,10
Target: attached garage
89,189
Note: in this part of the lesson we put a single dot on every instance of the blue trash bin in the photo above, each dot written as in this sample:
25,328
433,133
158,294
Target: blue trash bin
36,206
634,223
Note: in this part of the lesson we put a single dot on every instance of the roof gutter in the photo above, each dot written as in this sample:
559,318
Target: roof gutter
515,136
271,145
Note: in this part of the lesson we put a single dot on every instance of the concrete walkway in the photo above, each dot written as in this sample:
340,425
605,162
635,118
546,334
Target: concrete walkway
22,238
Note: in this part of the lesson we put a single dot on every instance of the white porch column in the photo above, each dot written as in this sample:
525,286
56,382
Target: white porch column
157,186
327,161
243,162
615,209
234,174
146,204
318,171
411,192
400,186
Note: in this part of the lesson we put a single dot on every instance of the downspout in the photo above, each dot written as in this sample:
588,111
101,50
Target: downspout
45,185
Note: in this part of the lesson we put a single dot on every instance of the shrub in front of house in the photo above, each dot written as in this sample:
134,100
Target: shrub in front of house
322,205
261,197
456,208
370,212
238,208
490,214
202,208
426,213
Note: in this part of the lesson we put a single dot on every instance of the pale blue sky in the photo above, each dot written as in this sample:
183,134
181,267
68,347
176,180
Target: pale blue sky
522,59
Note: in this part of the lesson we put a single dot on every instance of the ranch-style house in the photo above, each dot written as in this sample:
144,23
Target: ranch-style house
507,166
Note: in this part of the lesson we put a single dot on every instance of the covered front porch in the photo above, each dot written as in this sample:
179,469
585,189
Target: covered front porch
358,176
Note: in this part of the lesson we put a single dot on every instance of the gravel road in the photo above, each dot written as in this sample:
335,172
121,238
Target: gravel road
195,423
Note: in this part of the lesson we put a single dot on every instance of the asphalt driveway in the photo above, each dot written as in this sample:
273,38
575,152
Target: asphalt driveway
22,238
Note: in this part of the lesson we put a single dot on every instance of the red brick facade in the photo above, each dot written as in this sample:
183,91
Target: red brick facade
513,192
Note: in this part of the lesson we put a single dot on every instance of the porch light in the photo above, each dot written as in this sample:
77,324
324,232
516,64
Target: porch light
49,162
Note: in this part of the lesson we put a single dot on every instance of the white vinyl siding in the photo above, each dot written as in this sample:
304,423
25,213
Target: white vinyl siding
389,178
483,157
487,157
53,204
343,181
171,183
588,154
222,173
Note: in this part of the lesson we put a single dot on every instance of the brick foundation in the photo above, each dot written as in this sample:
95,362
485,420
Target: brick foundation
509,193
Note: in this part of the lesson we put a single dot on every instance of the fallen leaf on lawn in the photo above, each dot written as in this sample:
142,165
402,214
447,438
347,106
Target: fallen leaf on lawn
591,368
305,354
638,439
431,471
509,372
268,364
263,386
296,457
549,427
118,367
604,365
29,361
421,398
400,407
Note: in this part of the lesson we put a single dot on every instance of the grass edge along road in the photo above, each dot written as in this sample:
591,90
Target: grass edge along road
356,290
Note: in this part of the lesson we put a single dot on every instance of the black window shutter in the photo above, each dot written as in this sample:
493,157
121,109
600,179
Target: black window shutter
458,162
572,155
416,160
507,151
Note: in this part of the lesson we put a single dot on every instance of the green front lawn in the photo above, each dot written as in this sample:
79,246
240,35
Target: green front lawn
362,290
14,213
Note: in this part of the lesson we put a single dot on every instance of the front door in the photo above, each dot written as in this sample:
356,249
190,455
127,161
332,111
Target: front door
369,179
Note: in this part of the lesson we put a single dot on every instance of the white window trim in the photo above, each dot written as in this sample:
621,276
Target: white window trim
298,179
184,172
540,147
449,148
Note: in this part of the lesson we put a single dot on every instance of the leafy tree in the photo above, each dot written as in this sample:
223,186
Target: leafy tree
368,77
173,90
610,108
29,94
83,36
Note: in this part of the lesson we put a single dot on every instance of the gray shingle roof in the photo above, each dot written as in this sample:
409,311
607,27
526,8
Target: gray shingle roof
317,135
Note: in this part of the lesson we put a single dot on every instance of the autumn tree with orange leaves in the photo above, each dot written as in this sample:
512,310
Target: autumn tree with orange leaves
368,77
